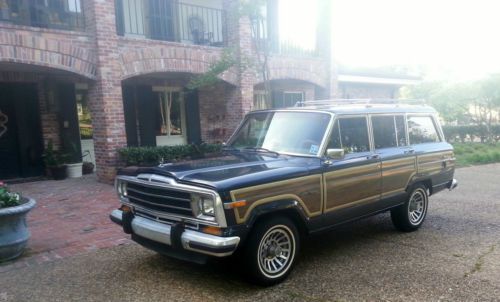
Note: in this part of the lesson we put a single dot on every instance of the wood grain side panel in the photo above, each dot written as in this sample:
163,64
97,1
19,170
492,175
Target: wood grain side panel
352,185
307,191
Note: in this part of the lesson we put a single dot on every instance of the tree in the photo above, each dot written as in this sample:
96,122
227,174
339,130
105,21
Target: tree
487,104
451,100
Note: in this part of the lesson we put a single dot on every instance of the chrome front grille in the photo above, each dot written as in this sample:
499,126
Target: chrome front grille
160,199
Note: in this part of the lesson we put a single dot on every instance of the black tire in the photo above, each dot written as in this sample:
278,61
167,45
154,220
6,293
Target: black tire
409,216
266,249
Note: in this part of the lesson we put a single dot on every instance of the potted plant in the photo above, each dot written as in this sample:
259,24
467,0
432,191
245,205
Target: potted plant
14,233
55,162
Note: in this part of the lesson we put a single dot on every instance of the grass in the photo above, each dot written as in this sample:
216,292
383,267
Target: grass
476,153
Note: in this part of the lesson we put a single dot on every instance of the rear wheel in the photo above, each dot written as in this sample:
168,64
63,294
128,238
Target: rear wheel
271,250
410,216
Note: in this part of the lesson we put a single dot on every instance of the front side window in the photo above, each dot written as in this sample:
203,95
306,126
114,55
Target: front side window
350,134
421,129
388,131
285,132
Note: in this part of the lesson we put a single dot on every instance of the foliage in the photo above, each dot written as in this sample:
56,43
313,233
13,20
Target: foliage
52,157
471,133
210,77
450,100
476,153
7,198
147,156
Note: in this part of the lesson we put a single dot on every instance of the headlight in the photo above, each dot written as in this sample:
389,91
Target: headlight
121,188
203,206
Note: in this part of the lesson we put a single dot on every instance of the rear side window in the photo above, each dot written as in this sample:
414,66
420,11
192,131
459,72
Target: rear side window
350,134
388,131
422,129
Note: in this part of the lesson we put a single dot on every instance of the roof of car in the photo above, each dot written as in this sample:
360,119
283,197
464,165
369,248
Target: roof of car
340,107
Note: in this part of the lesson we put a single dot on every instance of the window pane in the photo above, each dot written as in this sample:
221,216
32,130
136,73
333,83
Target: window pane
384,132
169,113
289,132
422,130
350,134
400,130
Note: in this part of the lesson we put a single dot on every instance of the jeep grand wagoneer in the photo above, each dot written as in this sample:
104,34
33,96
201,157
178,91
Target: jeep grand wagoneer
285,174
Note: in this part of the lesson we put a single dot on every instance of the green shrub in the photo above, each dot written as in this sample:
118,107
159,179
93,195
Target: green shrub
463,133
148,156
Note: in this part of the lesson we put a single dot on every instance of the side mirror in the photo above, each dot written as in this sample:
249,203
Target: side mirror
335,153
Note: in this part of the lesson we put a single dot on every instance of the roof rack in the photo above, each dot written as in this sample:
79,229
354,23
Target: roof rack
343,102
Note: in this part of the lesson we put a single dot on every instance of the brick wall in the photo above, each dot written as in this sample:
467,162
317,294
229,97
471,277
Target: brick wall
100,55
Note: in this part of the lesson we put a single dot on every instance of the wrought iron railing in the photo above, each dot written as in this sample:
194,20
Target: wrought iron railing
169,20
55,14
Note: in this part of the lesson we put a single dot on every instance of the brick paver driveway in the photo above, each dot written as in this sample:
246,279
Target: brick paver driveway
455,256
71,218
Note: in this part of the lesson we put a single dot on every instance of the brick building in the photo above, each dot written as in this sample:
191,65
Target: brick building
96,75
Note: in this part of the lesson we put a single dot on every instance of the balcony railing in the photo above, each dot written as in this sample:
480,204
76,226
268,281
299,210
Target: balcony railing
55,14
169,20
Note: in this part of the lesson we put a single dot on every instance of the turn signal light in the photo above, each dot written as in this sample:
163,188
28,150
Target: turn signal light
237,204
212,230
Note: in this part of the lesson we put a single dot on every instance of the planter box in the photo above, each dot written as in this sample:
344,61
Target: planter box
74,170
14,233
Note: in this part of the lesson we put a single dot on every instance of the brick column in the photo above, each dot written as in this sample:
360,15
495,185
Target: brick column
105,95
239,34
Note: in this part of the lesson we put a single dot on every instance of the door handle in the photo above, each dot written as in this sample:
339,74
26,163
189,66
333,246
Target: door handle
409,151
374,156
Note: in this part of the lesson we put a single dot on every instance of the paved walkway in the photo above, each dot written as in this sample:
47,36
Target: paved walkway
71,218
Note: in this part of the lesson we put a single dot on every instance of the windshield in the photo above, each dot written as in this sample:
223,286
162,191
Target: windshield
284,132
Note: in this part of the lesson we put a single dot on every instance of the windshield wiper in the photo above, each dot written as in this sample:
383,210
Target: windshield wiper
260,149
230,148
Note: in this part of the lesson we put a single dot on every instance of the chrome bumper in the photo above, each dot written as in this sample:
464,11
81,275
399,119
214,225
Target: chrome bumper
191,240
453,184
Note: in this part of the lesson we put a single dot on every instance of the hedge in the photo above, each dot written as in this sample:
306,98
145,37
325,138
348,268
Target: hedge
147,156
470,133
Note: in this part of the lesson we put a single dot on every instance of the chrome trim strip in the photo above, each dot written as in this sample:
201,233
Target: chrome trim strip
160,232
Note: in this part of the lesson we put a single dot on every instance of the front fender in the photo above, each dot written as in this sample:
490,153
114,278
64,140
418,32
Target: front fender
287,206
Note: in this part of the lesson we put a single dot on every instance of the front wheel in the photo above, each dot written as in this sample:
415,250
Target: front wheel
410,216
271,250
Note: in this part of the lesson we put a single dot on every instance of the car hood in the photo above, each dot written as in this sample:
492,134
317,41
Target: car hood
232,170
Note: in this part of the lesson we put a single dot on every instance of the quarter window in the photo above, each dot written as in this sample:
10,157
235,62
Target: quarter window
350,134
422,130
388,131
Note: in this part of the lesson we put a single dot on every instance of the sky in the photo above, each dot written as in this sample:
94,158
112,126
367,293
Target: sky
449,39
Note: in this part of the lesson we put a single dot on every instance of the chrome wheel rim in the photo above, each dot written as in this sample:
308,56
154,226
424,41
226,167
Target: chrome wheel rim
276,251
417,206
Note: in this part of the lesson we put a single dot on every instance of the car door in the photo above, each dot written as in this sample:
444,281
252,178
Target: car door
434,157
390,142
352,184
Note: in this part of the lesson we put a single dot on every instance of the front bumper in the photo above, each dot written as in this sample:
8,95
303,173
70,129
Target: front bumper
175,236
452,184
